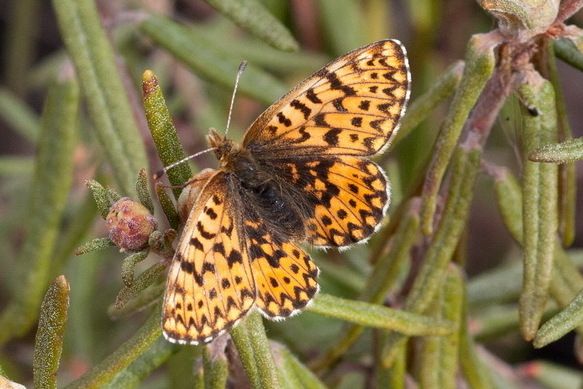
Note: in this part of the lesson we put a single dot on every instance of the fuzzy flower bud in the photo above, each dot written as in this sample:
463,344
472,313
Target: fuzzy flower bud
190,193
522,19
130,224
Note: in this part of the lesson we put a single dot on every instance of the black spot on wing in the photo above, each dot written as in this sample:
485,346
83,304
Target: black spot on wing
310,95
283,119
331,136
203,232
302,108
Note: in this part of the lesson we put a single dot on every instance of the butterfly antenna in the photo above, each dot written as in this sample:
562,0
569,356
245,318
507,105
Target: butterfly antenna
240,71
161,172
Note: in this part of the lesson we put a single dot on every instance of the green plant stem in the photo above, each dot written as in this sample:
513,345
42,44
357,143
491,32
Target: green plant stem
163,132
107,370
49,337
480,62
540,197
49,192
253,348
431,275
253,17
108,104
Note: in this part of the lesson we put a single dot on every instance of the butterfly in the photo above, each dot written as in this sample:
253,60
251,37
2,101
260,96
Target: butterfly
300,175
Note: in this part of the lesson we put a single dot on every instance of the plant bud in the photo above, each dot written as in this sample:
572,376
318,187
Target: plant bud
522,19
130,224
190,193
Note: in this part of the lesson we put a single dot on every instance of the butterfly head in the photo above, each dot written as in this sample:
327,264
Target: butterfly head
228,152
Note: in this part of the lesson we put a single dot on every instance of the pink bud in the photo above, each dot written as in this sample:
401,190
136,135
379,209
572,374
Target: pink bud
130,224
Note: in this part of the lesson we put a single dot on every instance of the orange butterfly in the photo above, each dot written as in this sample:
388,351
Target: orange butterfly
301,174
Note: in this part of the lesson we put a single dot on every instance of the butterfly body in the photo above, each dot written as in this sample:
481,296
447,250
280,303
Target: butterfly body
300,175
255,183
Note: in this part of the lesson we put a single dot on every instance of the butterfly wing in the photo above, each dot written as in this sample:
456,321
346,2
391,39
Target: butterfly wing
317,137
210,283
344,198
285,276
351,106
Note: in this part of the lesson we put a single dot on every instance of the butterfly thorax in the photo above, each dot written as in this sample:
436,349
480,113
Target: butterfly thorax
258,186
235,159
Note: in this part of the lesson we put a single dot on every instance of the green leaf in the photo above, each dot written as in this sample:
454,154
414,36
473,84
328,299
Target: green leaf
294,373
562,323
215,364
50,189
570,150
163,132
253,348
480,62
424,105
19,116
143,190
209,61
143,365
253,17
568,52
378,316
108,104
540,202
107,370
49,337
94,245
101,196
432,273
342,23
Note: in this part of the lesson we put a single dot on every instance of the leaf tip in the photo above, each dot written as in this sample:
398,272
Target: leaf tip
149,82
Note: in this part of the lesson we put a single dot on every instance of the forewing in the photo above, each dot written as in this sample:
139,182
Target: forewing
351,106
285,276
210,285
344,198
